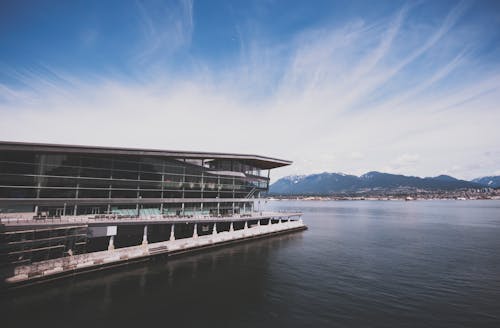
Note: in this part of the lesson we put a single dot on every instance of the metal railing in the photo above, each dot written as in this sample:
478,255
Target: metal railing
131,218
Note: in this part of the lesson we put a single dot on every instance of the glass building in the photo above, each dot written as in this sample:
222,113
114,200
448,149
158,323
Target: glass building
63,200
43,180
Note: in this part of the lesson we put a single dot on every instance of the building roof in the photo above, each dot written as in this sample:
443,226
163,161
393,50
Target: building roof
261,162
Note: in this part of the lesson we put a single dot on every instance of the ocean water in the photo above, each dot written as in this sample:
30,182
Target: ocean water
360,264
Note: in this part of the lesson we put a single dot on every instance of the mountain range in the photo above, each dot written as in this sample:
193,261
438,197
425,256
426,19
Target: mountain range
490,181
332,183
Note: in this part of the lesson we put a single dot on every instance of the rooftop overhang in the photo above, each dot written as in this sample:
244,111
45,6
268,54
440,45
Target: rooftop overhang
261,162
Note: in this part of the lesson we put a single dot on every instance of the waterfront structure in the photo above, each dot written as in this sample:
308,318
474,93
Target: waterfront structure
71,203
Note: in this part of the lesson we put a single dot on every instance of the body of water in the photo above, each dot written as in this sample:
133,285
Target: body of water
360,264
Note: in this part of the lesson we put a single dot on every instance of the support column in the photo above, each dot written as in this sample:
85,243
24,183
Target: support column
195,232
111,245
246,225
231,227
270,221
110,195
214,231
138,196
279,221
202,182
258,223
218,195
75,210
172,232
145,235
162,187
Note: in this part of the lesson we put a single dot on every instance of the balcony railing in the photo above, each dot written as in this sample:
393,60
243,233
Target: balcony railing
114,218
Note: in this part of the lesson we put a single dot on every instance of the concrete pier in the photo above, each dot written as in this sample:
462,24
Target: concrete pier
195,231
49,269
145,236
172,232
111,245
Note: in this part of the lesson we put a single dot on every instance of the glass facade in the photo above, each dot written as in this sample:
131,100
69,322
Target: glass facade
58,184
40,181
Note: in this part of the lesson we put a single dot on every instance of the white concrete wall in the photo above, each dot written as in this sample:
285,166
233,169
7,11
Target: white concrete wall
50,267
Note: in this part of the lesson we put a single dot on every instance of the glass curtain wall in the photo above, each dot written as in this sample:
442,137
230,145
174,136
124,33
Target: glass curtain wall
79,176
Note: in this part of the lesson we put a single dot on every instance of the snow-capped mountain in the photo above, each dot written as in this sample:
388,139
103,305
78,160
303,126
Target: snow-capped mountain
490,181
329,183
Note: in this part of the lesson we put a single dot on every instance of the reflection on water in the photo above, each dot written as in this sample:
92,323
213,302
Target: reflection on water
190,289
359,264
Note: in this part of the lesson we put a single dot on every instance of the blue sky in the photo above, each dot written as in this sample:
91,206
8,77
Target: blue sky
346,86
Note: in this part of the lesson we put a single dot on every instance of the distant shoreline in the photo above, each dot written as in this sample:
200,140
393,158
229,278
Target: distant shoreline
327,198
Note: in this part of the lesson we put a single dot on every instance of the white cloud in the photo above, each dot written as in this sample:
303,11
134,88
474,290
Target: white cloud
407,159
330,100
356,155
167,27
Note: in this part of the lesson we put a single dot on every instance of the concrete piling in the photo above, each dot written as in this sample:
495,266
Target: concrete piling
172,232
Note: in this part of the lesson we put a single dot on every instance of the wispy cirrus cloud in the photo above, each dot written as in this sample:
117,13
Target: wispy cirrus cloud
167,27
353,97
